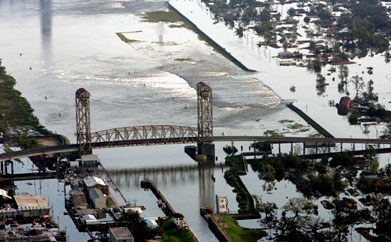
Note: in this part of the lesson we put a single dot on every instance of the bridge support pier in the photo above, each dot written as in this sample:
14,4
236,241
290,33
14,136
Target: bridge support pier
208,150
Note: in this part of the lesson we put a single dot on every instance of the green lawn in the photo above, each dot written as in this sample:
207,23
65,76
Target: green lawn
172,234
240,234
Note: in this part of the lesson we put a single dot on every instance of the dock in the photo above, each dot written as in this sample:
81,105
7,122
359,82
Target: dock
29,176
167,208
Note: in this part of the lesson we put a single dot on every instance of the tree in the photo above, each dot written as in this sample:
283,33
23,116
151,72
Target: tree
343,75
387,57
138,226
230,150
320,84
300,207
339,222
239,31
269,209
370,155
291,12
307,20
358,84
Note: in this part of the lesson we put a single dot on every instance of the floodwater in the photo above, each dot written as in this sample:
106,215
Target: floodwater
281,78
73,44
53,48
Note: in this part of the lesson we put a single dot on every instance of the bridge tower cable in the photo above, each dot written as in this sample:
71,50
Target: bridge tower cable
205,120
83,127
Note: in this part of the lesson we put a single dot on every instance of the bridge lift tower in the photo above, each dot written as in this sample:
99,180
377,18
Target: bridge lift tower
205,144
83,128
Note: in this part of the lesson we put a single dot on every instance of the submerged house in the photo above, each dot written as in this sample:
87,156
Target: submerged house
344,105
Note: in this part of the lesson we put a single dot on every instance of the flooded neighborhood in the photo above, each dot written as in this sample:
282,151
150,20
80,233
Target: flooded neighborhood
195,120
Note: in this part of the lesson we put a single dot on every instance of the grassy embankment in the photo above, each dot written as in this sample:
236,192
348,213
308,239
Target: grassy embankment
167,17
169,232
16,113
243,197
245,201
124,39
17,117
240,234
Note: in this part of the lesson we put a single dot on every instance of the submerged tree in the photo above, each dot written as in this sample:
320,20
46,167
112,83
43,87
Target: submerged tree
230,150
320,84
358,85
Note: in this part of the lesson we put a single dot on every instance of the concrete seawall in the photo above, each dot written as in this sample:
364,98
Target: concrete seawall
210,41
238,63
169,210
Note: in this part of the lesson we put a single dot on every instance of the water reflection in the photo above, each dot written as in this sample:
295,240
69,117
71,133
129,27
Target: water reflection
46,26
206,181
171,176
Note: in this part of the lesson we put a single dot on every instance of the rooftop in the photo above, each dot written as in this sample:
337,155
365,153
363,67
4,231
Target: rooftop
96,193
93,181
89,157
121,233
28,201
79,200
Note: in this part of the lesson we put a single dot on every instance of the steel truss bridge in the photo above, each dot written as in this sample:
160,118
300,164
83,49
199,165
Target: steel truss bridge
173,134
144,135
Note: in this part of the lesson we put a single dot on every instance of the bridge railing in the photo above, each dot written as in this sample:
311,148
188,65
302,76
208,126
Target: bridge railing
144,135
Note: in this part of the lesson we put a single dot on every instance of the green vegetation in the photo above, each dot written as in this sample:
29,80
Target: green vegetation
243,197
230,150
377,185
296,169
138,226
235,163
240,234
283,121
28,143
178,26
262,146
183,59
272,133
170,233
15,112
126,40
161,16
295,126
211,42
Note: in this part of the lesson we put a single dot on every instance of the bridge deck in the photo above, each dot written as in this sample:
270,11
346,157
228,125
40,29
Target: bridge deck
177,140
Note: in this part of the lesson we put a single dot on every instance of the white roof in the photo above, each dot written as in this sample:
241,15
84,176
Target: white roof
4,193
151,222
135,209
89,217
93,180
89,157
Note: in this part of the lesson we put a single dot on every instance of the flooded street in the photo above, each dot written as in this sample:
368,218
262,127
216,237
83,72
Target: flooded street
52,48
